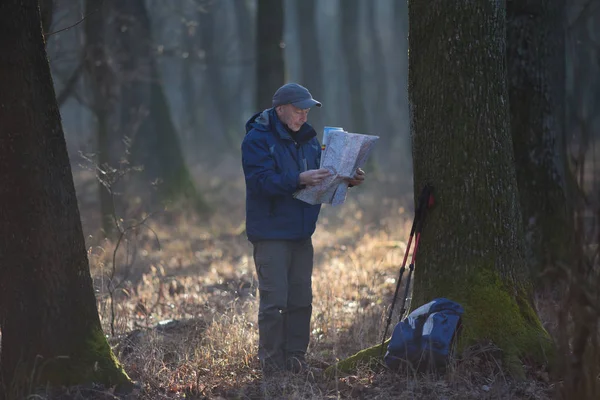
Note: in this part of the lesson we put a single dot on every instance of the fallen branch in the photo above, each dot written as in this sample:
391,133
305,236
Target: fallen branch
367,357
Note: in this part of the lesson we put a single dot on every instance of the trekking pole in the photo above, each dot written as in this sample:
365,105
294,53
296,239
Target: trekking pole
402,269
425,201
411,267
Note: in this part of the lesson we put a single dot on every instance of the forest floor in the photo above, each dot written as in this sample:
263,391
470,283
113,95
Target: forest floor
185,316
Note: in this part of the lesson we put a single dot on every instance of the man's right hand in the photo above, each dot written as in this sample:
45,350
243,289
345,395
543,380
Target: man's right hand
314,177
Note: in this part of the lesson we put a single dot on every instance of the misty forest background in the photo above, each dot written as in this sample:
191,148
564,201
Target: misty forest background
154,96
160,83
153,81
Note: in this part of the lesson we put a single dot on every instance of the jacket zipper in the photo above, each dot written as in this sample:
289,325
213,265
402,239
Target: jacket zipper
304,167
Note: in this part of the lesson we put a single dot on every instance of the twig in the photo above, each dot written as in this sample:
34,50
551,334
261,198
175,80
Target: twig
69,85
113,287
585,12
48,34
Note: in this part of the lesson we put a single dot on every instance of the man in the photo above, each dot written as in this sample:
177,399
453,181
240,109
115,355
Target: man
280,155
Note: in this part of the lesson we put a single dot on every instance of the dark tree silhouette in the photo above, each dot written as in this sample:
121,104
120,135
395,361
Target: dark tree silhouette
194,115
349,36
47,12
51,333
383,123
100,80
145,116
245,50
311,74
218,101
269,51
536,77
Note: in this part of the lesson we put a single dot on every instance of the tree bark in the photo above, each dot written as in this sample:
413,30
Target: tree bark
146,117
47,12
536,77
472,246
51,333
269,52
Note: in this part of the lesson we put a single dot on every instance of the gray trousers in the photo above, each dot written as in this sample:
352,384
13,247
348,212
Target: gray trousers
284,269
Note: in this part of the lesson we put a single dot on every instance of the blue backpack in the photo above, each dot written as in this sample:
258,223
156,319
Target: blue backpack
425,337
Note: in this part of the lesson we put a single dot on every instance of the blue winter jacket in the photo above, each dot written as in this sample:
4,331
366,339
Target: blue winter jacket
272,161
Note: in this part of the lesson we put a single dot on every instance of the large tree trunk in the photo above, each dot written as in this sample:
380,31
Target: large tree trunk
100,80
146,117
472,246
269,52
536,77
48,316
310,58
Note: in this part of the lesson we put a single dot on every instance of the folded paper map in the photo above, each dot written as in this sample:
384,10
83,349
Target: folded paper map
343,153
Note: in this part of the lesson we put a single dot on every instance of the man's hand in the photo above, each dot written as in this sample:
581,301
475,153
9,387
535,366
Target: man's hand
359,177
314,177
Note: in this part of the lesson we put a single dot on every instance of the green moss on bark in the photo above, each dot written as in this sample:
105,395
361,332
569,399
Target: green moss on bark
94,362
505,317
492,312
368,357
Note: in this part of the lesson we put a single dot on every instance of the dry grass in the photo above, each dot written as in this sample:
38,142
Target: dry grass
200,276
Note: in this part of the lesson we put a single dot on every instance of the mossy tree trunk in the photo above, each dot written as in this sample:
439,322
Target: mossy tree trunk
51,333
270,67
536,77
472,246
146,117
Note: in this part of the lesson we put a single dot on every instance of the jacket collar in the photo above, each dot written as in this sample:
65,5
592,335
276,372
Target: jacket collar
268,120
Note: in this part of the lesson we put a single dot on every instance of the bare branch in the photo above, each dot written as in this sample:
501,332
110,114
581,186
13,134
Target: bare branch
48,34
586,11
69,85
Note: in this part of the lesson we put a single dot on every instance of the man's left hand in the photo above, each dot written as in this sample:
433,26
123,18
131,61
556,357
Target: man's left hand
359,177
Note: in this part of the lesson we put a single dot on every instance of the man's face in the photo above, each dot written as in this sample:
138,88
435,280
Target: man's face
293,116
